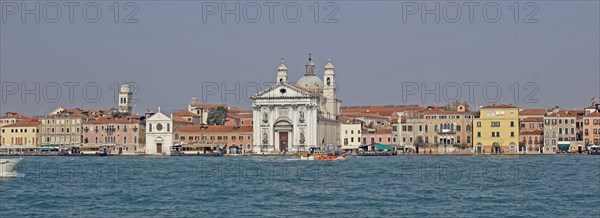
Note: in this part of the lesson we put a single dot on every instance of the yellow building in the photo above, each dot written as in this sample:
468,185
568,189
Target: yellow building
25,132
496,130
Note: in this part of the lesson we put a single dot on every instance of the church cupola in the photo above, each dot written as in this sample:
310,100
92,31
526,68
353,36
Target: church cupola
310,82
310,67
282,75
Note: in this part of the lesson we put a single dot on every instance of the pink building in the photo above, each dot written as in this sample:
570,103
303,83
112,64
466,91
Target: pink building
377,136
122,135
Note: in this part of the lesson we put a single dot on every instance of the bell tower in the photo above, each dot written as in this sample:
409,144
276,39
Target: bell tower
329,91
125,94
282,75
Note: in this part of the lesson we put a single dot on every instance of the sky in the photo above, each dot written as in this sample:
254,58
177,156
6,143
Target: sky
383,51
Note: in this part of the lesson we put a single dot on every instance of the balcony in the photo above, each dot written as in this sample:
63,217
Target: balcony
446,131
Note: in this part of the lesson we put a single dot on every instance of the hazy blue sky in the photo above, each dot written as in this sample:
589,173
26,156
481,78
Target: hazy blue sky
170,53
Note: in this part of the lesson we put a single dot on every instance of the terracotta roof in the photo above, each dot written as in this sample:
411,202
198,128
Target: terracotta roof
14,115
593,114
532,112
110,120
379,131
213,129
498,106
240,115
25,123
439,111
376,115
180,119
564,113
387,110
533,119
206,106
185,113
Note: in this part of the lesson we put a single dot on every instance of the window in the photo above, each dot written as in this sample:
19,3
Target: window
512,134
468,139
478,124
479,134
512,124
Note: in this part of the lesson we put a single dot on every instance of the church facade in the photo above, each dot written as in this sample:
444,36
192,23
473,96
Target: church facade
293,117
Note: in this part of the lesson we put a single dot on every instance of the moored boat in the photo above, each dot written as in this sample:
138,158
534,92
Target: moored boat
93,150
7,166
197,150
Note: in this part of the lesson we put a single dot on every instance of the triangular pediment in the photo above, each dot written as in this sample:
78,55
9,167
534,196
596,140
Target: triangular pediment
283,90
158,116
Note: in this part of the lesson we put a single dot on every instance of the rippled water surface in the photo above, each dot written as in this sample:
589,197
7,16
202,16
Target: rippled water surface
439,186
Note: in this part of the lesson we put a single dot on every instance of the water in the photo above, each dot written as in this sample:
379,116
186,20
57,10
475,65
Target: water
438,186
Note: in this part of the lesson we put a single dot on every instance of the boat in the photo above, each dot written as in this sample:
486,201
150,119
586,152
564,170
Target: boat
594,150
316,153
331,157
7,166
93,150
197,150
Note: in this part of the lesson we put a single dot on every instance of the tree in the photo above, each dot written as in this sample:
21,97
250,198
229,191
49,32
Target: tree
419,143
217,116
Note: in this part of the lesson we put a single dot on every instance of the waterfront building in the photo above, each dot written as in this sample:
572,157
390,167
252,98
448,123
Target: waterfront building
233,139
10,118
531,129
202,109
442,129
64,127
22,133
239,118
121,135
591,128
350,133
159,133
496,130
560,131
377,135
187,116
293,117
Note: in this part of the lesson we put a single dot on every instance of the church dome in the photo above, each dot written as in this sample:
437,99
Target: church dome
310,83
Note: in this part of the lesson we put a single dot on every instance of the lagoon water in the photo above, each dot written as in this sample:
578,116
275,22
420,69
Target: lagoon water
415,186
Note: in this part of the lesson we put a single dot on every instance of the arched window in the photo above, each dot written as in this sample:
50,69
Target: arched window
328,81
135,139
124,139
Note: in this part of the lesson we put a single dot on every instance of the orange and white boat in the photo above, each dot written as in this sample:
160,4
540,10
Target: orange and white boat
331,157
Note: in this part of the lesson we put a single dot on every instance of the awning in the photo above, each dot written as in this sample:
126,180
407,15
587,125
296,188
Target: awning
381,147
564,147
